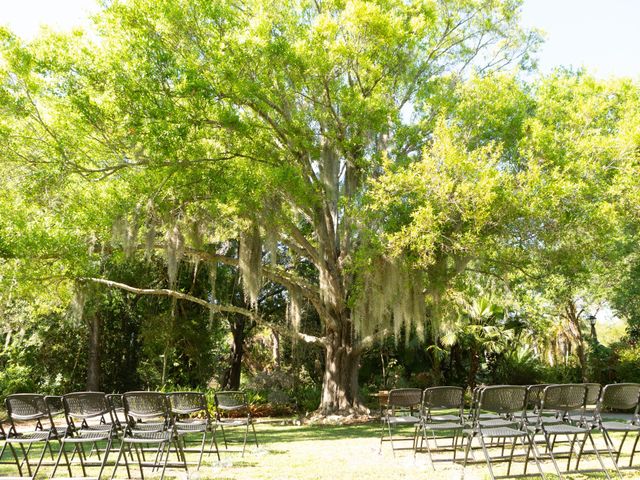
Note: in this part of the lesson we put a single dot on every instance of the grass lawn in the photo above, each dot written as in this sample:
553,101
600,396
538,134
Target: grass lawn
289,452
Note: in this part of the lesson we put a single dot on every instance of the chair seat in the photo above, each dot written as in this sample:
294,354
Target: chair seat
502,432
489,416
191,427
444,418
497,422
613,426
141,437
407,420
29,437
88,436
442,426
149,427
233,422
563,428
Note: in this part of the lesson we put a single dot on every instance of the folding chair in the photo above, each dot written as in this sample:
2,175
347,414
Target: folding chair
148,423
401,404
508,403
89,421
29,407
621,396
436,401
184,406
229,406
566,398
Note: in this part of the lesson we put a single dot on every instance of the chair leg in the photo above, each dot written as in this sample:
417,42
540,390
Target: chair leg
224,437
609,444
633,450
486,456
595,449
624,437
551,455
204,437
513,446
15,456
214,442
139,461
426,440
255,437
469,437
106,456
55,466
246,434
166,459
35,472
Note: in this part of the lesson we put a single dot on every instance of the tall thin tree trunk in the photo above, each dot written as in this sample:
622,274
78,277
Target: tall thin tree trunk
573,316
237,352
93,363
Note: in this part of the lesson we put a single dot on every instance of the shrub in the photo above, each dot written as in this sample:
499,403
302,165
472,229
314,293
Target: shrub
627,367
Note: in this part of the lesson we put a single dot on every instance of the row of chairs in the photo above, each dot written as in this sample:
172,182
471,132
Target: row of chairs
141,422
537,415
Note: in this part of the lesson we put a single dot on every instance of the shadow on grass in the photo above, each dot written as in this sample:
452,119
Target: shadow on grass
290,433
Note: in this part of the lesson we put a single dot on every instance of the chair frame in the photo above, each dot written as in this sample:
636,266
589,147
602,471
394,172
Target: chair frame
435,399
509,403
79,408
234,402
185,404
620,396
403,400
29,407
149,422
566,398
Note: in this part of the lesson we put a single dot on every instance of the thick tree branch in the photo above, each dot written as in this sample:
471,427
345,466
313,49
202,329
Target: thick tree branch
173,294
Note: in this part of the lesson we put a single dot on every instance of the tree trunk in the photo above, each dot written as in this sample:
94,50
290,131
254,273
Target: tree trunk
237,352
573,315
340,383
93,361
473,368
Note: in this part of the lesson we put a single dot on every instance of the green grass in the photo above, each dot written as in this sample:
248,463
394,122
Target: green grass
290,452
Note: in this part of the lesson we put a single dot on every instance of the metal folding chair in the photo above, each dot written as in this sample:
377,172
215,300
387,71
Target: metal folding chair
89,422
508,403
33,408
232,410
149,423
401,406
621,396
566,398
191,416
436,421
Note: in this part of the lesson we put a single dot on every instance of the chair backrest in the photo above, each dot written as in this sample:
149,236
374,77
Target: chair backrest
86,405
564,398
231,400
187,403
405,397
145,406
116,402
593,393
442,398
55,405
534,396
29,407
620,396
503,399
